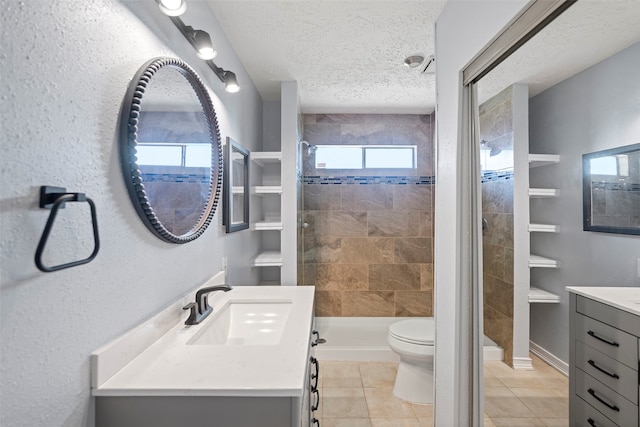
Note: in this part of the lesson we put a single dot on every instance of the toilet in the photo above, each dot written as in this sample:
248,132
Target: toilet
413,341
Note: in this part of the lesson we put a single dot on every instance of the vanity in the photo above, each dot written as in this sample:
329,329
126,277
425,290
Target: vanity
604,354
250,363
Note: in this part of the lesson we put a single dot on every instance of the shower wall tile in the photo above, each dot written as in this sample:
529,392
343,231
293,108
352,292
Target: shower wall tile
411,197
413,303
394,277
328,304
322,249
493,260
367,197
368,246
363,250
322,197
368,303
331,277
508,265
309,274
413,250
322,133
341,223
426,277
498,295
366,134
393,223
499,328
499,229
425,224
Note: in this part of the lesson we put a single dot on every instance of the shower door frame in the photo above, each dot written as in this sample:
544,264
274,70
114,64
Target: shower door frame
458,388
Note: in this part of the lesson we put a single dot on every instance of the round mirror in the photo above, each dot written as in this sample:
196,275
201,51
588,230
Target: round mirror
171,150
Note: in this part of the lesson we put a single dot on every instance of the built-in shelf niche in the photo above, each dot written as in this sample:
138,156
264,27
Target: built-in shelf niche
537,295
537,160
268,259
544,228
270,164
267,189
267,225
543,192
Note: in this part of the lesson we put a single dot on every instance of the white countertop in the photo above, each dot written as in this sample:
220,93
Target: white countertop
170,367
627,299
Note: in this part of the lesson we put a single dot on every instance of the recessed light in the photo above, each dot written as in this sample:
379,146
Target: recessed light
413,61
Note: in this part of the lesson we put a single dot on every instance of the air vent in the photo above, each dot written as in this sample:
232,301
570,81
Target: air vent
429,65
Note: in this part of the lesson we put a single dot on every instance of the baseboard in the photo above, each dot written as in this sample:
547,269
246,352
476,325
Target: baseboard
522,363
550,358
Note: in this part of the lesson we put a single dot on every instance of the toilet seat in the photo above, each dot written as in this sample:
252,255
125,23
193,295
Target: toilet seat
414,331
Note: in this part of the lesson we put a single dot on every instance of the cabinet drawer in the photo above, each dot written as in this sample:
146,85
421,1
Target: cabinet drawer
610,372
585,415
606,401
613,342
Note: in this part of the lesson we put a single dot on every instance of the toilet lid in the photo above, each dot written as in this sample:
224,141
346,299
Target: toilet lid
416,331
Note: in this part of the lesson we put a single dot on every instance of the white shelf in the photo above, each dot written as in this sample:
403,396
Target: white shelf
542,262
237,190
537,295
543,192
262,157
267,189
544,228
267,225
268,259
537,160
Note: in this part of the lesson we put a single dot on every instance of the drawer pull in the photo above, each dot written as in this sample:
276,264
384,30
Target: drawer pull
612,407
318,340
591,422
316,375
612,375
613,343
316,392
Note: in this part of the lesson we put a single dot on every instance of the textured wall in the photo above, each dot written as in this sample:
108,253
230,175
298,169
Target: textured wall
496,128
595,110
65,70
368,247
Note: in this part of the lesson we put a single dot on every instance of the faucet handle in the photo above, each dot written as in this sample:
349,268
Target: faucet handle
193,316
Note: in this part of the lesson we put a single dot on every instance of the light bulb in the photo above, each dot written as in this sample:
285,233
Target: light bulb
172,7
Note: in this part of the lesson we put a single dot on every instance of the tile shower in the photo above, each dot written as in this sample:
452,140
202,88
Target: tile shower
496,130
368,248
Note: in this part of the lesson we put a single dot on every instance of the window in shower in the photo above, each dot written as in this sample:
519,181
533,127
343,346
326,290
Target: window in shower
366,157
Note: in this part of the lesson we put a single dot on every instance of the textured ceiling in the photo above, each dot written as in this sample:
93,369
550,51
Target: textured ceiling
347,55
585,34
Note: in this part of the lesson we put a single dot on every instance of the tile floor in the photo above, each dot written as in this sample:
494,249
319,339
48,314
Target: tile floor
359,394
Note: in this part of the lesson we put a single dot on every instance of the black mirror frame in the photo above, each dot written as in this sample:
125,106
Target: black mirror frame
129,117
586,191
228,184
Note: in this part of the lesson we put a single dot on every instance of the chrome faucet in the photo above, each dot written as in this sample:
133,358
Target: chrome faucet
201,308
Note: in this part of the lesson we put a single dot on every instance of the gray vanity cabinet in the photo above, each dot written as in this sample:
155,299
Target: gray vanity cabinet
604,383
214,411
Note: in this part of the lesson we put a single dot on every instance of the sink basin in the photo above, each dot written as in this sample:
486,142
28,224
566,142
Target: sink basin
245,323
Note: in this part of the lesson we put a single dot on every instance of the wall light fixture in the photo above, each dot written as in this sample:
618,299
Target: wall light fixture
201,42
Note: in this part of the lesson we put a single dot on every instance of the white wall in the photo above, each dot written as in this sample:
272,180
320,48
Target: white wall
462,29
591,111
65,70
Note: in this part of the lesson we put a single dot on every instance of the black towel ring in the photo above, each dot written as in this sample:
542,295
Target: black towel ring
54,198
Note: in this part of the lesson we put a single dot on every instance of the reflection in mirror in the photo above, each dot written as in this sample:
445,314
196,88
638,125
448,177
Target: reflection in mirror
171,150
236,187
611,190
